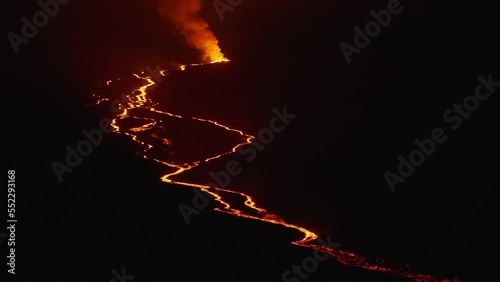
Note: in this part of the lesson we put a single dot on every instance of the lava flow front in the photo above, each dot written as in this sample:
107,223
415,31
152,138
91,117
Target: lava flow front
143,123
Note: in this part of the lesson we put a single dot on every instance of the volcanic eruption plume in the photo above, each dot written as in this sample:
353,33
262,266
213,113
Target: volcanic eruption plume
185,14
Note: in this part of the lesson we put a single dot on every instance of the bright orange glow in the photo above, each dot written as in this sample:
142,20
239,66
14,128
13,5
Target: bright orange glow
145,127
185,14
220,60
149,131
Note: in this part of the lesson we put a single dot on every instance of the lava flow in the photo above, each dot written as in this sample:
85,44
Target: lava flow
141,110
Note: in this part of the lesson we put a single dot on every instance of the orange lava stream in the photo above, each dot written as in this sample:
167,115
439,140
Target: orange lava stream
139,100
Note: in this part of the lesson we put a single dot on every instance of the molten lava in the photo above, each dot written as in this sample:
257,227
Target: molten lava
185,15
150,130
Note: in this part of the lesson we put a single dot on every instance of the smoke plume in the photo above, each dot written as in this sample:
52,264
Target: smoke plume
185,14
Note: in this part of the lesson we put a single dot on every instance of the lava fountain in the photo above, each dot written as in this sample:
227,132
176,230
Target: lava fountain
185,15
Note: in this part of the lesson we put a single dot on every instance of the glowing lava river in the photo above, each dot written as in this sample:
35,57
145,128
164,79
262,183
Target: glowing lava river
138,119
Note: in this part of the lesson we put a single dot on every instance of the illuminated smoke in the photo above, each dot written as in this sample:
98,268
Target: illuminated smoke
185,14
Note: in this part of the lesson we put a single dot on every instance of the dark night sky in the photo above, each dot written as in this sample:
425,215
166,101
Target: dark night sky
325,172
